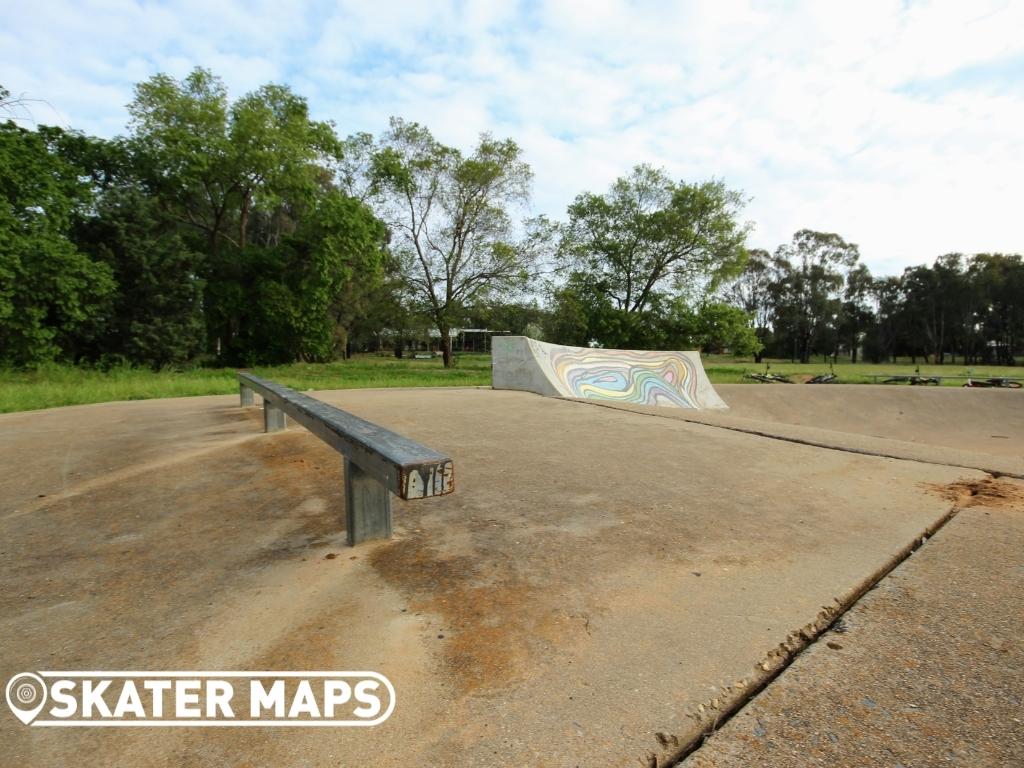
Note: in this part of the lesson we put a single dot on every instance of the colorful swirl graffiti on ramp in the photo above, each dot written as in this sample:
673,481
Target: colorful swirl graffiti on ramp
672,379
645,378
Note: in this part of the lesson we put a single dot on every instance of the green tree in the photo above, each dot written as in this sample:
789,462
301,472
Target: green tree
723,328
449,219
354,168
302,291
998,285
50,292
275,149
156,317
886,335
855,312
573,306
181,136
227,171
525,318
359,239
808,295
648,233
751,291
584,314
933,295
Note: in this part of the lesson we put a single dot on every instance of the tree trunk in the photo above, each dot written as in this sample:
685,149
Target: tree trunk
341,342
446,346
940,352
243,224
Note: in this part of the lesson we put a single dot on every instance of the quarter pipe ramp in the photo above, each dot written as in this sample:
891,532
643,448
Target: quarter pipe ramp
672,379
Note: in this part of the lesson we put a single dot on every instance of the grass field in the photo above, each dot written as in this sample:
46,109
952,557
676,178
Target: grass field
55,385
727,370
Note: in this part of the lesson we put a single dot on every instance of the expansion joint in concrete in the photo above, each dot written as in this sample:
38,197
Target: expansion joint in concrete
779,659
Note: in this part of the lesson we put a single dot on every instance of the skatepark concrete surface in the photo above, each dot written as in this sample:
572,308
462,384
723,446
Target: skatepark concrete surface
946,426
603,588
979,420
948,629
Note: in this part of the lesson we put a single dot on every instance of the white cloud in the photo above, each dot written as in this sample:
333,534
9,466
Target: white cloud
894,126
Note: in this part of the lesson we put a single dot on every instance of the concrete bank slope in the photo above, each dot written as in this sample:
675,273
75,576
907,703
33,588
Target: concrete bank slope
599,587
978,429
926,669
989,421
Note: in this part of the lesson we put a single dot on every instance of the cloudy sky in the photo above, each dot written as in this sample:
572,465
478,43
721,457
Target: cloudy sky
899,125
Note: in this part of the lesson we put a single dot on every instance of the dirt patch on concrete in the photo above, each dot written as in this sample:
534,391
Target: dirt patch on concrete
300,466
490,623
989,492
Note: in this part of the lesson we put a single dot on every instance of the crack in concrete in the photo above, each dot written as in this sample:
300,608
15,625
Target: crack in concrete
780,658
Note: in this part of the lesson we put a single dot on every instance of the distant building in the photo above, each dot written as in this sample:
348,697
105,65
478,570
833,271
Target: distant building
468,339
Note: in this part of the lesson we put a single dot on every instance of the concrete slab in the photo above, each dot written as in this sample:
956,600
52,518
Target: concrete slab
58,450
989,421
927,667
598,587
979,429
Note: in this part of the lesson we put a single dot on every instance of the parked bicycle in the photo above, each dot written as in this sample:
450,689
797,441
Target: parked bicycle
998,381
915,380
824,378
768,377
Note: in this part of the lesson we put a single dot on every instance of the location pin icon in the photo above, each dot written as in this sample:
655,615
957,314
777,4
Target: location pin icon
26,695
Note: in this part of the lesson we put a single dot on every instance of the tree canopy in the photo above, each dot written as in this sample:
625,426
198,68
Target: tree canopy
641,259
449,216
649,232
243,231
50,292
